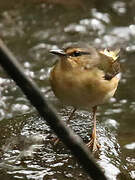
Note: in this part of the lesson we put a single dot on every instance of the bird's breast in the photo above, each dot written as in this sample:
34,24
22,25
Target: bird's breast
80,88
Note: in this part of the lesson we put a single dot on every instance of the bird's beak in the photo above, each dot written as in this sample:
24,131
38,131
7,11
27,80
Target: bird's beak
58,52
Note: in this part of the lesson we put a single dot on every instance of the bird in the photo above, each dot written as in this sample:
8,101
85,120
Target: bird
85,77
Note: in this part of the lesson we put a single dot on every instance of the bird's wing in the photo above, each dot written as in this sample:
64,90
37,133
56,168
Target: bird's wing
114,71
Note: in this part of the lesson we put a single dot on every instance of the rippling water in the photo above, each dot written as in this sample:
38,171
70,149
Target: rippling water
31,29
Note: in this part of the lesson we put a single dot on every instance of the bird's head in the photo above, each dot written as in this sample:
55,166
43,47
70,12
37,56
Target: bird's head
87,57
78,56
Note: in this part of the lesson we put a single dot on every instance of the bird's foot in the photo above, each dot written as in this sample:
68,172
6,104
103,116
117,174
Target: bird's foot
93,144
56,141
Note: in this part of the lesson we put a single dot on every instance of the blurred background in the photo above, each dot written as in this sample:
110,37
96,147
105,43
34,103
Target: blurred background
30,29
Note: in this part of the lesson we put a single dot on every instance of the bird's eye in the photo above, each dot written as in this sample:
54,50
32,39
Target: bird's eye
76,53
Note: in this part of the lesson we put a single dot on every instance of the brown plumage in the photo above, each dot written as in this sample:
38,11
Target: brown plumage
85,78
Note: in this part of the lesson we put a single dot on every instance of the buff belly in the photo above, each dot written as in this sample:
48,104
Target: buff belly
82,90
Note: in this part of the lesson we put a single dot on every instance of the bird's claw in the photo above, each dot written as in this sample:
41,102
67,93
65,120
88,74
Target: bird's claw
55,141
93,144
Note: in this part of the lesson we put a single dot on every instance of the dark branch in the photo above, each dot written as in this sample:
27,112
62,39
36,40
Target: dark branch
73,142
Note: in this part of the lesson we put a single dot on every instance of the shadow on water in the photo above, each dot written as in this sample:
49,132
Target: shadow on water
31,29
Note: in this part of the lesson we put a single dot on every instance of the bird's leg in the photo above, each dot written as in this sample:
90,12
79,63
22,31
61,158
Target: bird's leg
67,122
93,142
71,115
